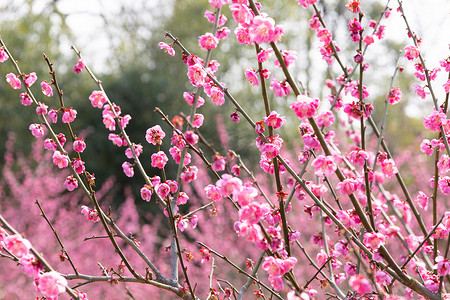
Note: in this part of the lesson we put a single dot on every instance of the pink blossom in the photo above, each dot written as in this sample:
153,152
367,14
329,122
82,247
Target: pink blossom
446,86
50,144
155,135
79,145
251,76
189,97
245,196
411,52
191,137
219,163
163,190
420,91
51,284
61,139
305,3
182,198
30,79
31,266
69,115
217,3
37,130
208,41
382,277
53,116
360,284
354,6
159,160
189,174
97,98
262,29
17,245
434,121
25,99
41,108
79,66
422,200
211,17
374,240
305,107
3,55
167,48
325,118
197,75
109,122
124,120
388,168
380,32
71,183
234,117
175,152
444,185
348,186
46,89
216,95
146,193
128,169
13,81
442,266
198,120
60,160
138,149
324,166
243,35
229,185
78,165
277,266
242,14
117,140
354,110
213,192
263,55
275,120
368,39
289,57
253,212
280,89
358,156
395,95
444,163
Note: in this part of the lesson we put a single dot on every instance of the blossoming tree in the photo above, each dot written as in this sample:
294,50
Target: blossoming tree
369,237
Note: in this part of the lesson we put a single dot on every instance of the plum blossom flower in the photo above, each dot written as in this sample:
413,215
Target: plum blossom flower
97,99
374,240
395,95
324,166
208,41
79,66
175,152
189,97
167,48
263,29
17,245
46,89
360,284
411,52
30,79
348,185
229,185
242,14
155,135
78,165
25,99
13,81
434,121
146,193
251,76
71,183
60,160
305,107
189,174
163,190
213,192
197,75
219,163
420,91
442,266
3,55
275,120
69,115
280,89
79,145
159,160
128,169
243,35
37,130
51,284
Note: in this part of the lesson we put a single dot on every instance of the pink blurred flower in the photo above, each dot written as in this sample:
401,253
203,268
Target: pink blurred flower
3,55
360,284
167,48
46,89
79,66
13,81
17,245
51,284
